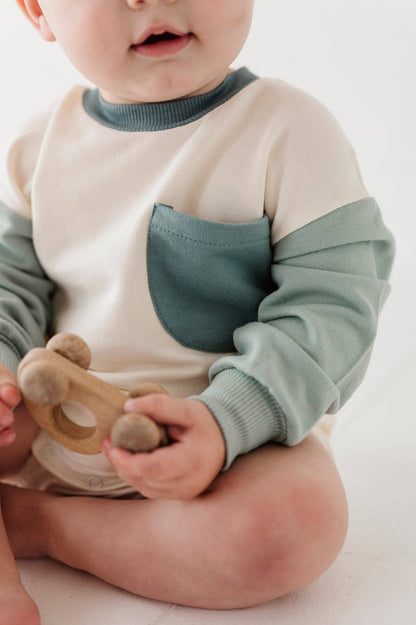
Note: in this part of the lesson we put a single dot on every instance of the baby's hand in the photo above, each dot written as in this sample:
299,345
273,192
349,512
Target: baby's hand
9,399
187,466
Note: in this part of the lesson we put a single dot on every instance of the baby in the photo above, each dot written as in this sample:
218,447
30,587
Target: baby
207,230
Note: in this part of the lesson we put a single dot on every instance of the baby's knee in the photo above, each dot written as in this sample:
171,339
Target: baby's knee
313,533
282,544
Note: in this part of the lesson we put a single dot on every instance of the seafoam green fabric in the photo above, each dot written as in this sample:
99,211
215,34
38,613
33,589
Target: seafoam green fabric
25,292
310,347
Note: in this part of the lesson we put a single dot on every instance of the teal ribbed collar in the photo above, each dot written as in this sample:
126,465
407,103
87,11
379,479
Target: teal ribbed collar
163,115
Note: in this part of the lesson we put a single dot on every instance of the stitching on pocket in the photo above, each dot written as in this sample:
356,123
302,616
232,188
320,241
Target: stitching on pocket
211,243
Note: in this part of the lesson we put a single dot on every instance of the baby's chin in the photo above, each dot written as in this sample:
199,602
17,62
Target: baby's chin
163,89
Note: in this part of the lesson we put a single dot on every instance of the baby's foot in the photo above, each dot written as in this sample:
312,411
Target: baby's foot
16,607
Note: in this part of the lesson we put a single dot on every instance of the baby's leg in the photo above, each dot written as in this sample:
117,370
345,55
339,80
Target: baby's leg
271,524
16,607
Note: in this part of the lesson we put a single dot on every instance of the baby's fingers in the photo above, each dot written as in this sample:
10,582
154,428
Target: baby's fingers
9,398
154,474
9,394
163,409
7,437
6,416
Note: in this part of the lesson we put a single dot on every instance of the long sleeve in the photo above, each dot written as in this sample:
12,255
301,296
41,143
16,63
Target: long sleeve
311,345
25,290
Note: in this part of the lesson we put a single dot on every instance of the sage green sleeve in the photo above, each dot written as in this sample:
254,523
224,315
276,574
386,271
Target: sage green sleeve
25,291
310,347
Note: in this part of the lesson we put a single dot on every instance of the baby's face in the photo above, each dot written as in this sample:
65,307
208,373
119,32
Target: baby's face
150,50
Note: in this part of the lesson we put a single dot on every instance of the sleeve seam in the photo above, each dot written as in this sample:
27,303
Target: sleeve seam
10,345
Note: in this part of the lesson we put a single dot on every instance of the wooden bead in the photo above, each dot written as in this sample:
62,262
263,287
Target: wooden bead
44,384
135,432
71,347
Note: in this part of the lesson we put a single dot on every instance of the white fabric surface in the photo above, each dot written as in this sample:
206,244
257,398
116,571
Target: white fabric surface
374,578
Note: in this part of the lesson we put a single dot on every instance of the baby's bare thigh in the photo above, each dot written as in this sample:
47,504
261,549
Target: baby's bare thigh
14,456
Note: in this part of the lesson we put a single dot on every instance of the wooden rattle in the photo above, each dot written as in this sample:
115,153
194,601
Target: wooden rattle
49,377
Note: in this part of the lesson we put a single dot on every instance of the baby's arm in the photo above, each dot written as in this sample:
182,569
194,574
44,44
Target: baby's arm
25,290
311,346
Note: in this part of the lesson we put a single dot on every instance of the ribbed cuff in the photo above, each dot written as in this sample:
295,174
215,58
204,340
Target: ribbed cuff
247,413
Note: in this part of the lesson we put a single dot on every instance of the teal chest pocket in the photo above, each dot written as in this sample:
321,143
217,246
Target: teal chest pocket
206,278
